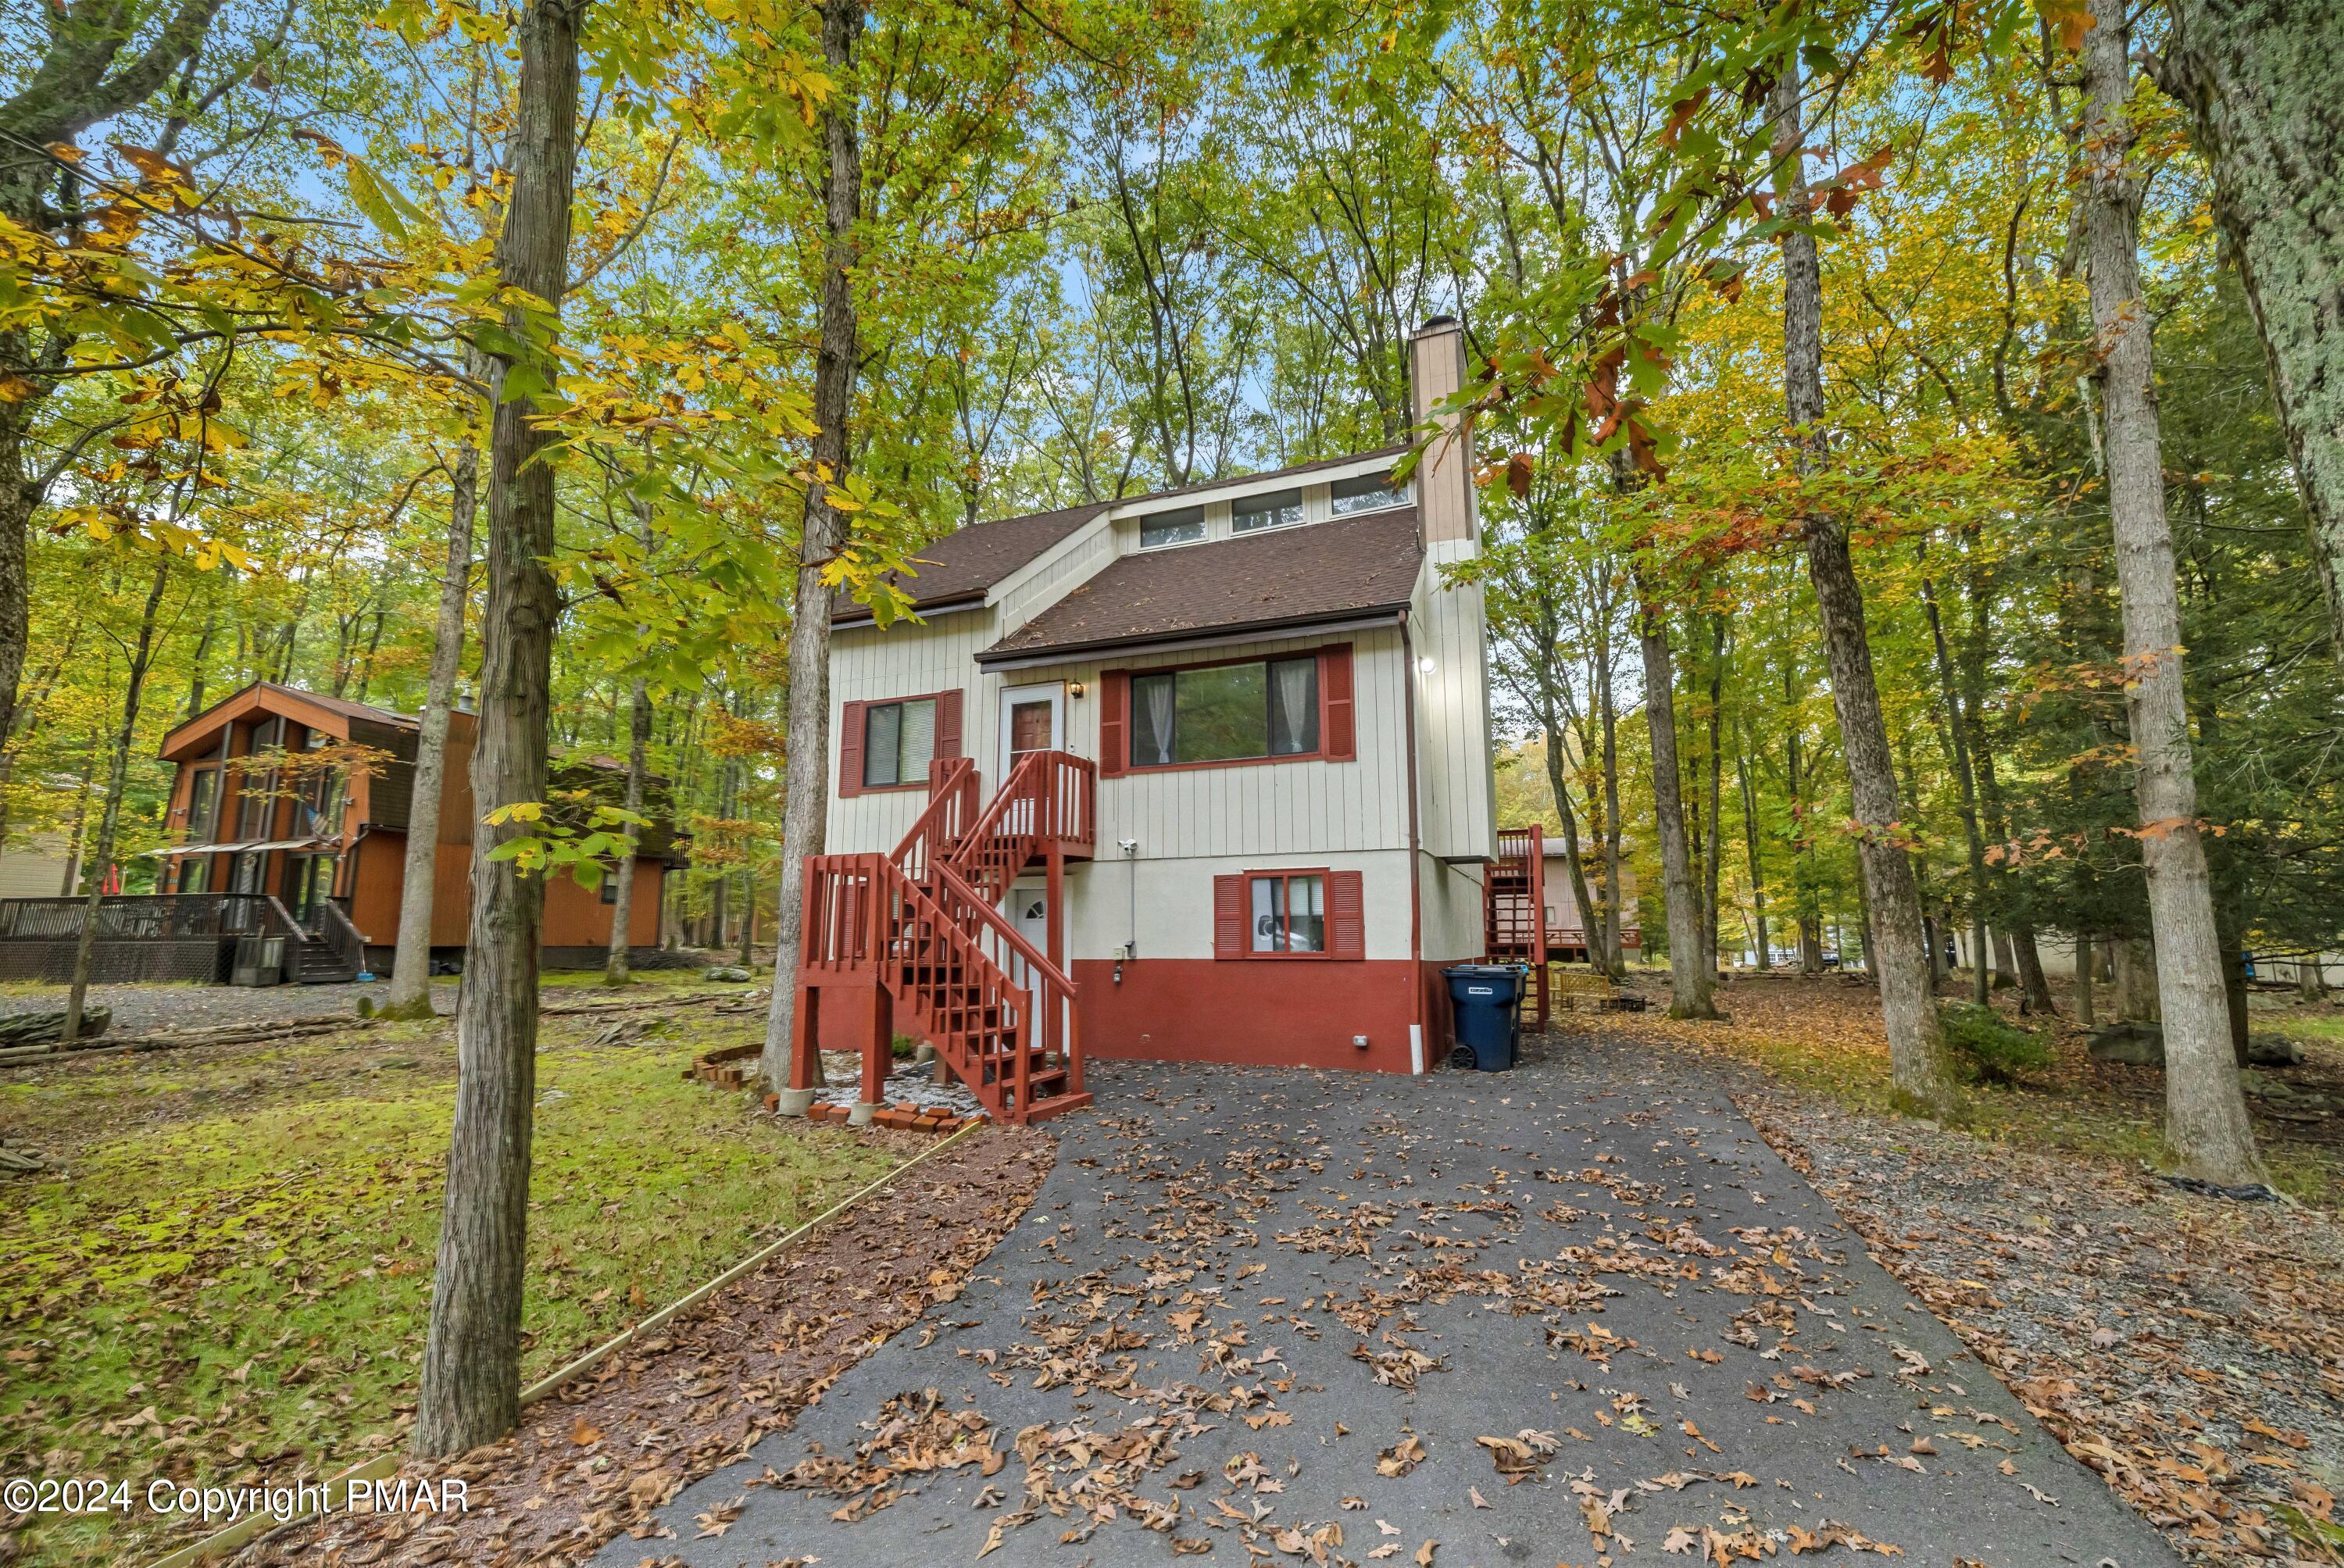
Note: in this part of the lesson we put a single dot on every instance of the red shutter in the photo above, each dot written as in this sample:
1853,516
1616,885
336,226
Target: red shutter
1338,731
849,748
1229,917
1115,704
947,725
1347,916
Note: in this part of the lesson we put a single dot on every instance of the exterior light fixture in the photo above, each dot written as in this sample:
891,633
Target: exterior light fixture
1425,666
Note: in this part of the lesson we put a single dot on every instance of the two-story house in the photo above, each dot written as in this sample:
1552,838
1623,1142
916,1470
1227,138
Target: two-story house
1200,776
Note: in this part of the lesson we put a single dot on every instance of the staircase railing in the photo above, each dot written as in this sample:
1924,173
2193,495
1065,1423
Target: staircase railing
1049,794
1053,1040
952,805
946,955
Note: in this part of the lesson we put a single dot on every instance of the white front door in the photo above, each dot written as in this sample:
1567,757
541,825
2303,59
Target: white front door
1033,719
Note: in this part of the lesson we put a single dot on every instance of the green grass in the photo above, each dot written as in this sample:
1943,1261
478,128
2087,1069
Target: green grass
249,1288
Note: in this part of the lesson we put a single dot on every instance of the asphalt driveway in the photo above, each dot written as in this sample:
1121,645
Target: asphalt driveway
1576,1314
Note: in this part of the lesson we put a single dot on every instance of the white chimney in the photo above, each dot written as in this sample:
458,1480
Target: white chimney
1444,479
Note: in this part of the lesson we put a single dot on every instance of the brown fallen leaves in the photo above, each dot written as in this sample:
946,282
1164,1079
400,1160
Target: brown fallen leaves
1401,1456
1522,1456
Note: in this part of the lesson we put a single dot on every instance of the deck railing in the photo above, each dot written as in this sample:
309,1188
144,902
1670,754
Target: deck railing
143,916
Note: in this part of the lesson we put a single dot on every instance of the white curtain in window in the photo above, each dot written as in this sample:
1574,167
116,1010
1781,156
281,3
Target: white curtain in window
1291,682
1159,719
917,742
1306,916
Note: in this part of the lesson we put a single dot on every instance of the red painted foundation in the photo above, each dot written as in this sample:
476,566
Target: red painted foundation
1268,1014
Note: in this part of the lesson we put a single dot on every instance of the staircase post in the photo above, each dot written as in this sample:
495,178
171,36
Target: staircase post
1054,858
806,1038
879,1051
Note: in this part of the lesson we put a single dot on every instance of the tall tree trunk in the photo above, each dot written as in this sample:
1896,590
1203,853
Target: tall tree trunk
1607,713
2087,1010
2263,81
109,815
410,963
1711,849
1750,849
1900,961
1958,733
806,778
2205,1125
1689,985
1558,780
471,1391
615,971
78,836
2136,999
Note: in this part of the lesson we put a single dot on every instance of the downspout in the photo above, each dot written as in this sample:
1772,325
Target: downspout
1415,858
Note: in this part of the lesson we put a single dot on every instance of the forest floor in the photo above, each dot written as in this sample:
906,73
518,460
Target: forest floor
2190,1350
226,1279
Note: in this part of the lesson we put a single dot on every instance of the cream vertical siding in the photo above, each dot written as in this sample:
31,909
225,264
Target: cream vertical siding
1458,785
906,659
1175,907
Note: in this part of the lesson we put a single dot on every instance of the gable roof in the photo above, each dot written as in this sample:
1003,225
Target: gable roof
335,714
961,567
1289,577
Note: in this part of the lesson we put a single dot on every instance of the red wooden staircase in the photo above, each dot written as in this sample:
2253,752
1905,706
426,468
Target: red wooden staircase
1513,909
922,932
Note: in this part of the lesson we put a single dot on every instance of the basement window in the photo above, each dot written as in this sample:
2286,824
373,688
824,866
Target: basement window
1367,492
899,740
1185,526
1282,510
1289,913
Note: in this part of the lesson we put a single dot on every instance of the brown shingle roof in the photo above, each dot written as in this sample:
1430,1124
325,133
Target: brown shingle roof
1323,571
961,566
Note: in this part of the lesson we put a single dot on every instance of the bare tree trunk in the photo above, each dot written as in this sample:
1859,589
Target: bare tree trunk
1713,845
109,815
1689,985
79,834
410,963
615,971
2205,1125
1750,849
807,779
1900,962
1608,716
2087,1014
2136,1000
2262,80
1958,733
471,1392
1590,927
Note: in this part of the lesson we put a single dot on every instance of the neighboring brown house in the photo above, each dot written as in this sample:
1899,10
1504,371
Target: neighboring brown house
330,839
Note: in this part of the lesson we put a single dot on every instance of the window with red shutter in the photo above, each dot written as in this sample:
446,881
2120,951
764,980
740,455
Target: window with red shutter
1338,727
1115,703
1347,916
849,748
948,706
1230,917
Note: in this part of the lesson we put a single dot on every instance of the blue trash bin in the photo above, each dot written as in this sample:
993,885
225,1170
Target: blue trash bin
1487,999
